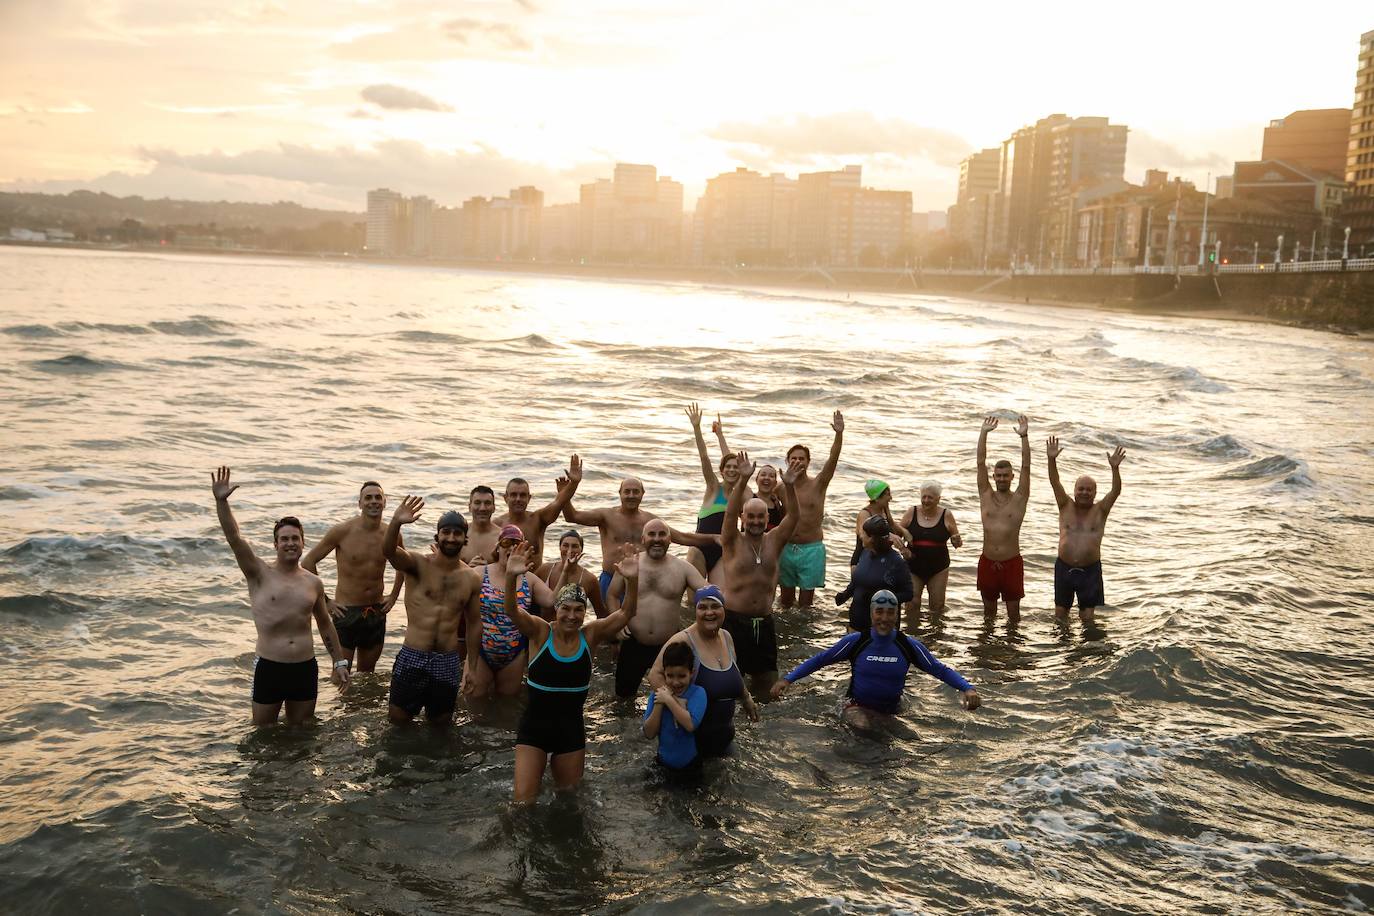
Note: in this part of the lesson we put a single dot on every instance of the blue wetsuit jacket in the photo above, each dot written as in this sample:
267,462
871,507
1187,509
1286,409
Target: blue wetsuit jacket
879,665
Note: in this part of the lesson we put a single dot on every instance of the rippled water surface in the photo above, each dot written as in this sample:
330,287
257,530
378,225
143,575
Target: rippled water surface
1206,747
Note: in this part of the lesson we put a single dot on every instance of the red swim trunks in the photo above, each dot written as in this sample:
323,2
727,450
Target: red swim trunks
1005,579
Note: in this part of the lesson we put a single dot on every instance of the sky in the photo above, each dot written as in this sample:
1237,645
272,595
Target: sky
319,100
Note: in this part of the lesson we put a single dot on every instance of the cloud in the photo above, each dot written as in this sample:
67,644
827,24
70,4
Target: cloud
1148,152
337,177
399,98
427,40
469,32
856,133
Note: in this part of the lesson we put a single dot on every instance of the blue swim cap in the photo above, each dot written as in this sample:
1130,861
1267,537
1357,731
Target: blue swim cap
883,598
709,593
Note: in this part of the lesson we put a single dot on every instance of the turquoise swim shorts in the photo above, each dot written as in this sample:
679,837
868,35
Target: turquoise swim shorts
802,566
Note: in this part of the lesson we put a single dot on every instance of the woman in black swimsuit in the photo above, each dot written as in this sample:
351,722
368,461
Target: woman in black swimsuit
931,527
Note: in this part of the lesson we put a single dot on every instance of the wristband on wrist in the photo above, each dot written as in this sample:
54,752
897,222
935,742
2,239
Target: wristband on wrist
342,663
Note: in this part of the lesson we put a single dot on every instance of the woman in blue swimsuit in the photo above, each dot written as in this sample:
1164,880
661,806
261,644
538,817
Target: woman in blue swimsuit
712,513
559,674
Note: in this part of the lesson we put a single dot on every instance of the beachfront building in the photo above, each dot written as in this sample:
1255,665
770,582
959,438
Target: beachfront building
973,218
634,217
1358,210
386,217
840,223
745,217
1314,140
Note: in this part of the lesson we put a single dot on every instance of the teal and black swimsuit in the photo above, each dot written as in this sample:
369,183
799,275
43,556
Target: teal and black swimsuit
711,520
558,686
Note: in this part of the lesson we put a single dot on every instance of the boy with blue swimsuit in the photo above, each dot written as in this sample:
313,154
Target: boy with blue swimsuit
675,710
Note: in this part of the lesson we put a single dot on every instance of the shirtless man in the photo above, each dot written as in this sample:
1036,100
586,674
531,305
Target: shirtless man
623,525
441,600
283,598
534,524
357,606
662,580
1001,571
803,559
1078,567
749,561
482,534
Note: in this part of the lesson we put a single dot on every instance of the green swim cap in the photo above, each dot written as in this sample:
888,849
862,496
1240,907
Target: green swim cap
875,488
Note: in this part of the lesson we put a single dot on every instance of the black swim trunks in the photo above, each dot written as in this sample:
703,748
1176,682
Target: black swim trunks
756,642
362,626
1083,581
636,658
426,680
559,735
278,682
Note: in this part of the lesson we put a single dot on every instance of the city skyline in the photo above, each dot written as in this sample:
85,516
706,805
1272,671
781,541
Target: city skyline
319,103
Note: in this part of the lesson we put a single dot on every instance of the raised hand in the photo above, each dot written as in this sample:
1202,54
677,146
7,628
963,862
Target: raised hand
561,483
409,510
629,566
1022,426
989,424
790,475
746,467
1115,458
694,414
1052,449
717,427
519,560
219,484
837,424
575,469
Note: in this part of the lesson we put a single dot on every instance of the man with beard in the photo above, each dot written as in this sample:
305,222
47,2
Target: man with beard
802,566
1082,522
534,524
662,580
357,606
623,527
749,561
283,598
483,533
441,603
1001,571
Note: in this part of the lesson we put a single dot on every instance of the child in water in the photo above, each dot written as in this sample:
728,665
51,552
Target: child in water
675,710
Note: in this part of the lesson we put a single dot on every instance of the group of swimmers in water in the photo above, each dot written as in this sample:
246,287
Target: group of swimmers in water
486,615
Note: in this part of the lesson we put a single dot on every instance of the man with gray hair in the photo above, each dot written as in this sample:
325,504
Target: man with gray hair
1082,522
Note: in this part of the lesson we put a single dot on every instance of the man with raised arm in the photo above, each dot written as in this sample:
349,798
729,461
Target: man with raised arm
483,533
358,608
283,598
749,567
534,524
802,566
441,603
663,578
1078,566
624,525
1001,571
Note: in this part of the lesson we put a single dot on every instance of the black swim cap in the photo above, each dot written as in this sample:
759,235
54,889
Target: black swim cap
570,533
452,519
877,527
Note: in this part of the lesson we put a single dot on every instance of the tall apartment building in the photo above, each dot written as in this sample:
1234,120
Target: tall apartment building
634,216
745,217
385,222
1044,166
1358,211
1313,140
973,218
559,237
840,223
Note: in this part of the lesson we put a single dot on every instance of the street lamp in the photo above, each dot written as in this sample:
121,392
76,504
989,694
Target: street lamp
1278,254
1254,258
1345,249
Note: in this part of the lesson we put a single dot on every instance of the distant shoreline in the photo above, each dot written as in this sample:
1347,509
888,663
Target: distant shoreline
894,282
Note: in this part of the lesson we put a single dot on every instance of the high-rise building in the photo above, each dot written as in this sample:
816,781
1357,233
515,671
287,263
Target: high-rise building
1313,140
560,235
1044,167
385,215
1358,212
840,223
420,240
634,216
972,220
980,173
745,217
